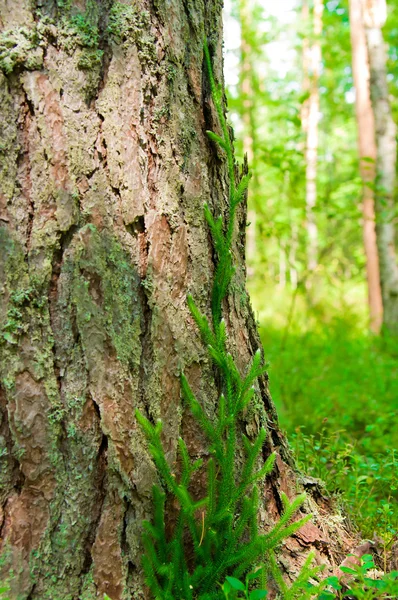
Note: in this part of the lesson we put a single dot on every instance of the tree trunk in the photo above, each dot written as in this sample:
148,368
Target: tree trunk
374,18
310,117
292,257
367,157
248,120
282,264
105,167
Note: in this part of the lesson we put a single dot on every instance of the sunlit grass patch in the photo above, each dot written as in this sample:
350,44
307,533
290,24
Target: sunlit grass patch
336,390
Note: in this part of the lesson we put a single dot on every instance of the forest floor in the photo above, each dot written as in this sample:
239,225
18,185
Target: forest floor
335,386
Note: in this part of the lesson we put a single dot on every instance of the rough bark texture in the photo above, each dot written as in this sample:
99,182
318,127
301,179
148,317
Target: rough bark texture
367,157
386,131
105,167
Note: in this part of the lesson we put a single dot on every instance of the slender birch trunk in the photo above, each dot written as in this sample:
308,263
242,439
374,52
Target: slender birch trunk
374,18
367,157
248,119
282,265
292,257
312,65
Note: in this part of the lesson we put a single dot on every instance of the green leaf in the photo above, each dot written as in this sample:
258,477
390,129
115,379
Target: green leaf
216,138
257,594
226,588
348,570
367,558
333,582
393,575
254,575
236,584
9,337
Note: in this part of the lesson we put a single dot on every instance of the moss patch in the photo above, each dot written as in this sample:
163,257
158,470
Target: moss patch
21,48
105,291
127,25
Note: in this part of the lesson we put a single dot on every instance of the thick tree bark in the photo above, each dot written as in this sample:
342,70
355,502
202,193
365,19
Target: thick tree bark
105,167
367,157
374,12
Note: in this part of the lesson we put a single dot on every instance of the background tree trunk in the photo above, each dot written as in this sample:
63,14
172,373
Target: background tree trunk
248,120
105,167
310,118
367,157
375,12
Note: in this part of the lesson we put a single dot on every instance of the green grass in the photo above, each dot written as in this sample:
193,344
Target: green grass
336,390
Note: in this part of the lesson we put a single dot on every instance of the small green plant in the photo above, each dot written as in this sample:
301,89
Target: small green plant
219,532
4,589
234,588
359,581
366,484
300,588
304,587
360,584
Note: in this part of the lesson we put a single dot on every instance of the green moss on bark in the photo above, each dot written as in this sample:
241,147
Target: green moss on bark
127,25
21,48
105,293
14,294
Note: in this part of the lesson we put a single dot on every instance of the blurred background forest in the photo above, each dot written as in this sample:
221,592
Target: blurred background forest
297,100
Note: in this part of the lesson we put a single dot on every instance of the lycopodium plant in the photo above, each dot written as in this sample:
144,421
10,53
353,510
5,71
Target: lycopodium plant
220,531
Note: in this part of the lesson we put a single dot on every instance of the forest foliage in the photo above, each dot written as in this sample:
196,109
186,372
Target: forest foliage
334,383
